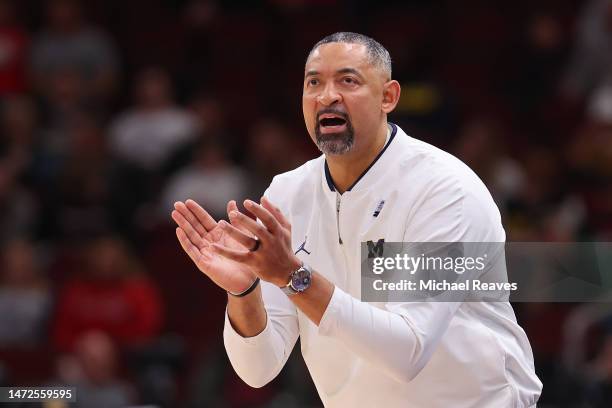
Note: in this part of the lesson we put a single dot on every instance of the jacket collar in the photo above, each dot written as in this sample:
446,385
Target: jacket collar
369,173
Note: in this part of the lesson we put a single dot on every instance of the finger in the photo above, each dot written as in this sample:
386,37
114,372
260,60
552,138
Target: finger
234,255
276,212
190,217
231,206
246,240
246,224
248,213
203,216
264,215
188,246
188,229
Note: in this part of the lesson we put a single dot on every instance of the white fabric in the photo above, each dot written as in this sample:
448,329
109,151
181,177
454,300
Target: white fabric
147,139
212,188
429,354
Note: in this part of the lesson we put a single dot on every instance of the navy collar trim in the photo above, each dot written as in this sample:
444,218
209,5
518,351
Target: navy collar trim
328,178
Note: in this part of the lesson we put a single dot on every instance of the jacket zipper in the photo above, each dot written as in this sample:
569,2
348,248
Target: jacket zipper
338,199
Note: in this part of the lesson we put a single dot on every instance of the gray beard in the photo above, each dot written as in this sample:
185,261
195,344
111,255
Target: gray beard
337,143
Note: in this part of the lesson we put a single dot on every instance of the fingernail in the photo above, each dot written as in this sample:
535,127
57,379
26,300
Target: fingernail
248,202
233,214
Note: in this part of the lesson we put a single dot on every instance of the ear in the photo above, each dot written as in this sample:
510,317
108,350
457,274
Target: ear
391,95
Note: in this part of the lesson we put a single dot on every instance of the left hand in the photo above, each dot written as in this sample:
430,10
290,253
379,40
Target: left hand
274,260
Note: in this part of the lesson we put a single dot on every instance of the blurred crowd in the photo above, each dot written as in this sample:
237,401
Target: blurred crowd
111,110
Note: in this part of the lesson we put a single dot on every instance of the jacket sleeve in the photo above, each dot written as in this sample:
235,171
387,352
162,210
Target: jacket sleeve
259,359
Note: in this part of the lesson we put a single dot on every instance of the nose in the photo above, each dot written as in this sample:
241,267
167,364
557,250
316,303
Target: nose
329,95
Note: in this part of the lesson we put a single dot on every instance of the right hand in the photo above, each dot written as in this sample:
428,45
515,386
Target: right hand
196,232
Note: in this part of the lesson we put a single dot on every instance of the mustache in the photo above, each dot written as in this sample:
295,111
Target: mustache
332,111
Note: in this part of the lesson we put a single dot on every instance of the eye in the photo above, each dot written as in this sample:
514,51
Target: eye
313,82
349,80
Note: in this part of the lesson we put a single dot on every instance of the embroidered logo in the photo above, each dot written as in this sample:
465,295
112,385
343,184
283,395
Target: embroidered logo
376,250
303,247
379,208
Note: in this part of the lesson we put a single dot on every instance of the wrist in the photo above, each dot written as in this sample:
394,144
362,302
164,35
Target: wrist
248,290
299,280
294,264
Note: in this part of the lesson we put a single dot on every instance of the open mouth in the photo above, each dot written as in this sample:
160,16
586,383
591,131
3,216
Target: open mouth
335,121
332,123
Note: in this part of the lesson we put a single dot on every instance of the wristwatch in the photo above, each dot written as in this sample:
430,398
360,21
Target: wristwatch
299,281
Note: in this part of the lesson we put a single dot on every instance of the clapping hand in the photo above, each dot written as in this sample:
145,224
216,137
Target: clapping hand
198,232
265,246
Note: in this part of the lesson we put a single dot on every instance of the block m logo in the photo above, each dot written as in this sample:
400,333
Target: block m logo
376,250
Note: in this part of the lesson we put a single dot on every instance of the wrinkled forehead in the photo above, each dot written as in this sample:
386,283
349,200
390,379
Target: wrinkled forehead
333,56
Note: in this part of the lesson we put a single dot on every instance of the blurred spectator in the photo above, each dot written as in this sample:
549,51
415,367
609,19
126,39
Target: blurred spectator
210,116
600,104
211,180
271,152
155,368
65,99
599,377
591,62
198,19
544,46
93,369
18,210
70,46
481,145
112,295
149,133
18,124
586,357
14,42
589,162
77,183
540,200
564,220
24,296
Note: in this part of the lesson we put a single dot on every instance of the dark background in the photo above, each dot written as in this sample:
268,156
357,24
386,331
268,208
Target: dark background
112,110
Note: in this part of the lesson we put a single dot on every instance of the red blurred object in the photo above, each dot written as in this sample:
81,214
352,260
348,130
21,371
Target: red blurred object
13,53
128,310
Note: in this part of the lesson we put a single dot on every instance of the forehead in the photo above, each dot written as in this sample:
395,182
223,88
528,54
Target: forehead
334,56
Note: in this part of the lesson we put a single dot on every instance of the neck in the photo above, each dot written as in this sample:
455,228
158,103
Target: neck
345,169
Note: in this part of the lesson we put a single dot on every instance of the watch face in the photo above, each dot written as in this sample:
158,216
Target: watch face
300,280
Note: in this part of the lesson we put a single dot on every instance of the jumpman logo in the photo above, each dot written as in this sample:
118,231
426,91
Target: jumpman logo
303,247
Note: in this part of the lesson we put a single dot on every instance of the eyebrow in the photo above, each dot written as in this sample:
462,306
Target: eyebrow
350,71
312,72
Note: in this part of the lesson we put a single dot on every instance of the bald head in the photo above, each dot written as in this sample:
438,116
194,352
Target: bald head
378,55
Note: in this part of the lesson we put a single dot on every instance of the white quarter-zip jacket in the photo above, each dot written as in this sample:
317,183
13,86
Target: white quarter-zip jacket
412,354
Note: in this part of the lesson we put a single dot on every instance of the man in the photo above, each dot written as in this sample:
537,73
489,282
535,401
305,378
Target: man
372,182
